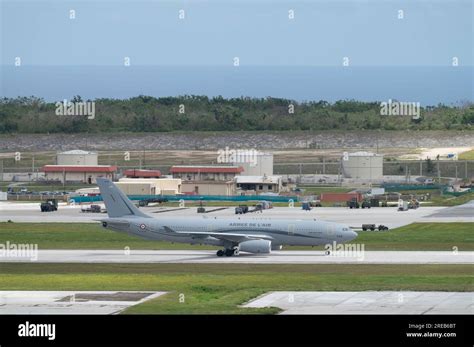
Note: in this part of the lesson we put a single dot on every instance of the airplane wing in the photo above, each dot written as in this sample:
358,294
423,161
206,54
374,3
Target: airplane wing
232,237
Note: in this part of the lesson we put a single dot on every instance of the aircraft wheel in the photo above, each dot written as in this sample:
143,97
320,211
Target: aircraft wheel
229,252
328,252
220,253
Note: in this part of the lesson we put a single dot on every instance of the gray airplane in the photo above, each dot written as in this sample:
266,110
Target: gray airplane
233,234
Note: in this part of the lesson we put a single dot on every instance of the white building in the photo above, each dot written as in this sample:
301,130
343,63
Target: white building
77,157
362,165
262,165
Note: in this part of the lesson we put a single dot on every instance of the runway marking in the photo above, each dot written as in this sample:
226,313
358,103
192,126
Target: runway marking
276,257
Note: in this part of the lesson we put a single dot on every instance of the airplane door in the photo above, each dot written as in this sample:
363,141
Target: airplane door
291,229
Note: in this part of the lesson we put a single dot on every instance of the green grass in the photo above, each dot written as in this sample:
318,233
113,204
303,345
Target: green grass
450,200
317,190
421,236
469,155
36,187
79,236
221,288
417,236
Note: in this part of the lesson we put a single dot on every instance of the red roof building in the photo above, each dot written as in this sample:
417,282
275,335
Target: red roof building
78,173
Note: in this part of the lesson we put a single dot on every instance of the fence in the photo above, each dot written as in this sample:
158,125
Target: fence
83,199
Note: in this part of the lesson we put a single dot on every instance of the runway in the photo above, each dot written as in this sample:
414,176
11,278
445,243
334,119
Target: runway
209,257
368,302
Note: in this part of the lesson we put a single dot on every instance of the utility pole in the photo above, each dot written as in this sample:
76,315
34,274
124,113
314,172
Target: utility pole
33,165
439,172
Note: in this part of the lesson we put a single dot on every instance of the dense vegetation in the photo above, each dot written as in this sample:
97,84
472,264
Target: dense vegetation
149,114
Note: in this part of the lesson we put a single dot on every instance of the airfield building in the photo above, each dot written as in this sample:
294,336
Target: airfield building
206,172
77,157
362,165
78,173
207,179
260,165
258,184
150,186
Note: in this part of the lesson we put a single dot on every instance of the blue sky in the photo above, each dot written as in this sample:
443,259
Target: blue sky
258,32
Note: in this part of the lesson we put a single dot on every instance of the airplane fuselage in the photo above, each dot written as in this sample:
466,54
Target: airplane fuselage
280,231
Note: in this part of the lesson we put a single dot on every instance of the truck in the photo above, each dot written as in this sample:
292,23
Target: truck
373,227
241,209
91,209
402,205
353,203
49,205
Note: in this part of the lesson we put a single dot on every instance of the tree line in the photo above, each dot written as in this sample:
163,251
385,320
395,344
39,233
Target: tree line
202,113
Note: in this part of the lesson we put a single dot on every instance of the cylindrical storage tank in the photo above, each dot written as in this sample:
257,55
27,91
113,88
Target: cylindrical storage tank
362,165
77,157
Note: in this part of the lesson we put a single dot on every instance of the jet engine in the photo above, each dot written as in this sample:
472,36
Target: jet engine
256,246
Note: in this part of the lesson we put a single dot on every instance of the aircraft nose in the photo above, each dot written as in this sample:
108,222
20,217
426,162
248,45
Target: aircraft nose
351,235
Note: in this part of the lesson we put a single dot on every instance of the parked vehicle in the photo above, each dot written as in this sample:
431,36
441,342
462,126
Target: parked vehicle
201,208
145,202
49,205
402,205
241,209
315,203
366,227
373,227
413,204
91,209
353,203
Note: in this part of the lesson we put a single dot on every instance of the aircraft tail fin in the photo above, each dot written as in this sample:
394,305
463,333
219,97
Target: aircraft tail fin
116,202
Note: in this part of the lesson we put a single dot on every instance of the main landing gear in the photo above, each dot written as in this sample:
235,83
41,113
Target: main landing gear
228,252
